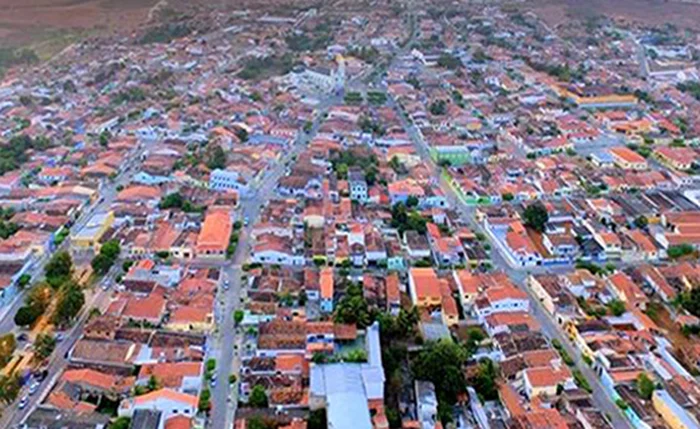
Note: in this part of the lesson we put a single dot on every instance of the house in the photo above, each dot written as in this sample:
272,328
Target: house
213,238
327,290
627,290
498,299
424,287
680,158
673,414
191,319
169,402
627,159
520,249
88,237
227,180
359,190
184,377
426,404
270,249
546,380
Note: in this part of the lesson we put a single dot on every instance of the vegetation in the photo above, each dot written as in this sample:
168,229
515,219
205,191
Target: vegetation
70,301
616,307
367,54
441,363
103,261
9,388
10,57
680,250
260,68
8,343
165,33
44,345
258,397
121,423
238,316
204,400
449,61
353,308
175,200
59,269
536,216
216,158
14,153
690,87
438,107
645,386
405,219
376,98
353,98
581,381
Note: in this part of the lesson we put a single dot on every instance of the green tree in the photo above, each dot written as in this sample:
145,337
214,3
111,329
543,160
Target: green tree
8,343
27,315
59,269
238,316
121,423
641,222
680,250
441,363
44,345
104,138
616,307
353,308
9,388
484,382
645,386
204,401
216,158
70,301
40,296
258,397
103,261
152,383
536,216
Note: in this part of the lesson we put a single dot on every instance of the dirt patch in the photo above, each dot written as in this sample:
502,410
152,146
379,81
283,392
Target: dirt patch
24,22
648,12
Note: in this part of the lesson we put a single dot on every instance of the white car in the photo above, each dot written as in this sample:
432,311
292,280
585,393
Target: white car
23,402
33,388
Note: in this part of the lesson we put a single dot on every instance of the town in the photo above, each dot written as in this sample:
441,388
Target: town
374,214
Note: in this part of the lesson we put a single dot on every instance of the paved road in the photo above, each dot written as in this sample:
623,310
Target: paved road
97,297
518,276
224,397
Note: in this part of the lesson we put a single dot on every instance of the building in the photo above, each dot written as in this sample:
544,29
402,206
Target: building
350,392
88,237
227,180
213,238
326,282
627,159
424,286
358,185
673,414
169,402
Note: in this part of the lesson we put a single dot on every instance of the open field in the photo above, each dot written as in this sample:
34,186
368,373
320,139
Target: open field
53,23
650,12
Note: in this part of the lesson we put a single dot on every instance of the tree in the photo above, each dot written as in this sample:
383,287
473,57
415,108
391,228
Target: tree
641,222
412,201
172,200
9,388
103,261
353,308
104,138
40,296
70,301
438,107
152,383
484,382
238,316
24,280
204,401
258,397
217,158
27,315
44,345
8,343
441,363
59,269
317,419
536,216
645,386
616,307
121,423
680,250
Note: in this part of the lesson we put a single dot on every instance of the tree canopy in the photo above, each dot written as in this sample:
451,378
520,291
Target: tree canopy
59,269
536,216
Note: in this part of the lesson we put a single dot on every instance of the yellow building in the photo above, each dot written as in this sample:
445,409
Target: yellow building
188,319
673,414
89,236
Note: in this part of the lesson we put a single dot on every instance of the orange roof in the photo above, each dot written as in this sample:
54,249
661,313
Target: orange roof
168,394
151,307
90,377
178,422
510,400
189,314
628,155
548,376
289,362
216,230
170,374
139,192
505,292
393,294
326,283
426,283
